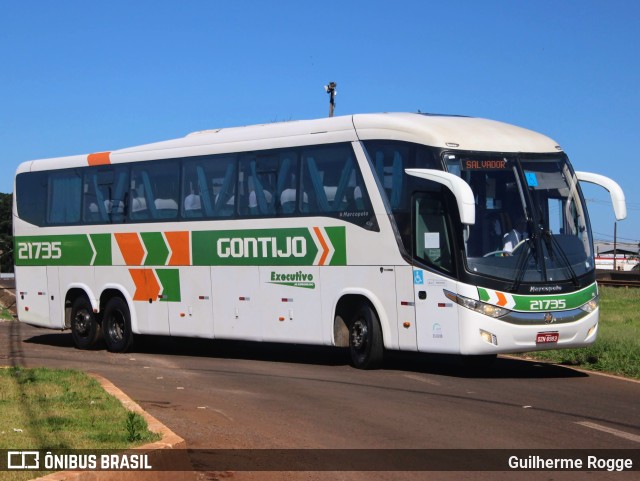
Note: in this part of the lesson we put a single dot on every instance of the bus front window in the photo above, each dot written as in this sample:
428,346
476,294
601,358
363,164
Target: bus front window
531,224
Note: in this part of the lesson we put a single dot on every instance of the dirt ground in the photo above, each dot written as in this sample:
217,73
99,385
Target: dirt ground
8,300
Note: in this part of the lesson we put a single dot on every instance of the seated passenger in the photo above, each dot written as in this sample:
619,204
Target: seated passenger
516,235
253,202
164,197
192,202
138,203
166,204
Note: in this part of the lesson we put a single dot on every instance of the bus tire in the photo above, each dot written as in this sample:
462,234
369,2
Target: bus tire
85,329
365,339
116,325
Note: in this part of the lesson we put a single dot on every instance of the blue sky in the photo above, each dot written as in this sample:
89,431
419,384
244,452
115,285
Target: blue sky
86,76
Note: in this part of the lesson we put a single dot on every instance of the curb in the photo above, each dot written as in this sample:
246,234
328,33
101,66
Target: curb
170,440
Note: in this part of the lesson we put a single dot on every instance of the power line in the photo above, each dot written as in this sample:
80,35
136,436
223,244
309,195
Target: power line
622,238
630,205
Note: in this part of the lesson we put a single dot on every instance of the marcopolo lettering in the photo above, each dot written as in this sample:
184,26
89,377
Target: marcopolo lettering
262,247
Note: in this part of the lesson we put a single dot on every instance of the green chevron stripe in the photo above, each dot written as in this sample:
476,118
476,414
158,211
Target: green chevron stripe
170,281
157,250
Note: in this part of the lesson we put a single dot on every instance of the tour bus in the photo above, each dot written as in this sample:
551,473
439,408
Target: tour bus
394,231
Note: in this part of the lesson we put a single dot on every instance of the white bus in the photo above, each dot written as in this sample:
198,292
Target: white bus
375,231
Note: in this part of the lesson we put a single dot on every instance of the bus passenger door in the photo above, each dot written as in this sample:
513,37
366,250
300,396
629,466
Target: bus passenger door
31,294
151,311
406,312
53,298
191,309
290,297
237,310
436,315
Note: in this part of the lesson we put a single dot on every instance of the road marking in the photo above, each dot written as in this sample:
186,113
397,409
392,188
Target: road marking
621,434
222,413
422,379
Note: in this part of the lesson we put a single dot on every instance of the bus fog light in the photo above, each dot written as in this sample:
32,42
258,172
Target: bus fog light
490,338
592,331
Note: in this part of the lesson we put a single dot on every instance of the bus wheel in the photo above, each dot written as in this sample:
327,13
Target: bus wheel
116,325
365,339
85,329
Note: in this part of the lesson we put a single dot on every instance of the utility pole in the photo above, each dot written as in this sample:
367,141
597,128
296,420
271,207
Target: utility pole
615,242
331,90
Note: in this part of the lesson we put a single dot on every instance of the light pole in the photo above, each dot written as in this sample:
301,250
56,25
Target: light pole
615,244
331,90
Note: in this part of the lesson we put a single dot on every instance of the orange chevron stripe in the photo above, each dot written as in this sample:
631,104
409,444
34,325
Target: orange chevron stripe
324,245
131,248
179,245
502,300
147,286
99,158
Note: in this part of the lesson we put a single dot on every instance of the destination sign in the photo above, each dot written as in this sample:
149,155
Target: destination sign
484,164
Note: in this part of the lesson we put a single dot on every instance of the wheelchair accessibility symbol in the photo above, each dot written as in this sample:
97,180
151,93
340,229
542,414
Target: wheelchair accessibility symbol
418,277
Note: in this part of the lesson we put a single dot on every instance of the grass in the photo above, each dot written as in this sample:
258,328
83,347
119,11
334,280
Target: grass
617,349
5,314
63,409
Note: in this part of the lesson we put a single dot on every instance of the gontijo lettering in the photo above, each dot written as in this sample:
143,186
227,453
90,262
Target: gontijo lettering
264,247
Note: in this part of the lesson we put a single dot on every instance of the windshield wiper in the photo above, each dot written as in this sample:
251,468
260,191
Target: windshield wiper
523,260
551,241
521,266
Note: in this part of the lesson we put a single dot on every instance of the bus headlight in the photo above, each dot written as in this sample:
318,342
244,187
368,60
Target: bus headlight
590,306
478,306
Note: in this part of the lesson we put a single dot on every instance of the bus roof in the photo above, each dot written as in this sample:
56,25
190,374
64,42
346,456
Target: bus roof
445,131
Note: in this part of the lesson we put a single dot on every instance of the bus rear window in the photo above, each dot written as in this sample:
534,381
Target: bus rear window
31,196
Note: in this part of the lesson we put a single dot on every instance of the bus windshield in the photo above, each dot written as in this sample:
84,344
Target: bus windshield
531,223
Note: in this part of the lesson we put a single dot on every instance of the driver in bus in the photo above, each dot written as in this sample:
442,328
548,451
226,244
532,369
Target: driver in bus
516,235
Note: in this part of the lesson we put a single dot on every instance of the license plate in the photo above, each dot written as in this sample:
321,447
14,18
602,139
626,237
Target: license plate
547,337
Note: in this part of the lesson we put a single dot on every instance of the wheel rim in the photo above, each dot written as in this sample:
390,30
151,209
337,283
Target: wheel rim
359,334
82,323
117,326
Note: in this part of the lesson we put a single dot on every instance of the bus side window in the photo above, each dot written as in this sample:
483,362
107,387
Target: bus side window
65,197
326,175
155,191
208,189
93,202
103,195
432,242
259,173
31,197
118,194
287,184
332,184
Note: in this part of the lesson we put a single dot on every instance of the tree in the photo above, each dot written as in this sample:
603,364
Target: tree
6,232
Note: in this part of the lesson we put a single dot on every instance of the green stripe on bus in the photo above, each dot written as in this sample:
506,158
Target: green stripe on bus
170,281
338,238
301,246
102,245
545,302
55,250
157,250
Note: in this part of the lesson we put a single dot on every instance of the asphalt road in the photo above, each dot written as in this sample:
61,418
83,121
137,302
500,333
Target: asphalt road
218,394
